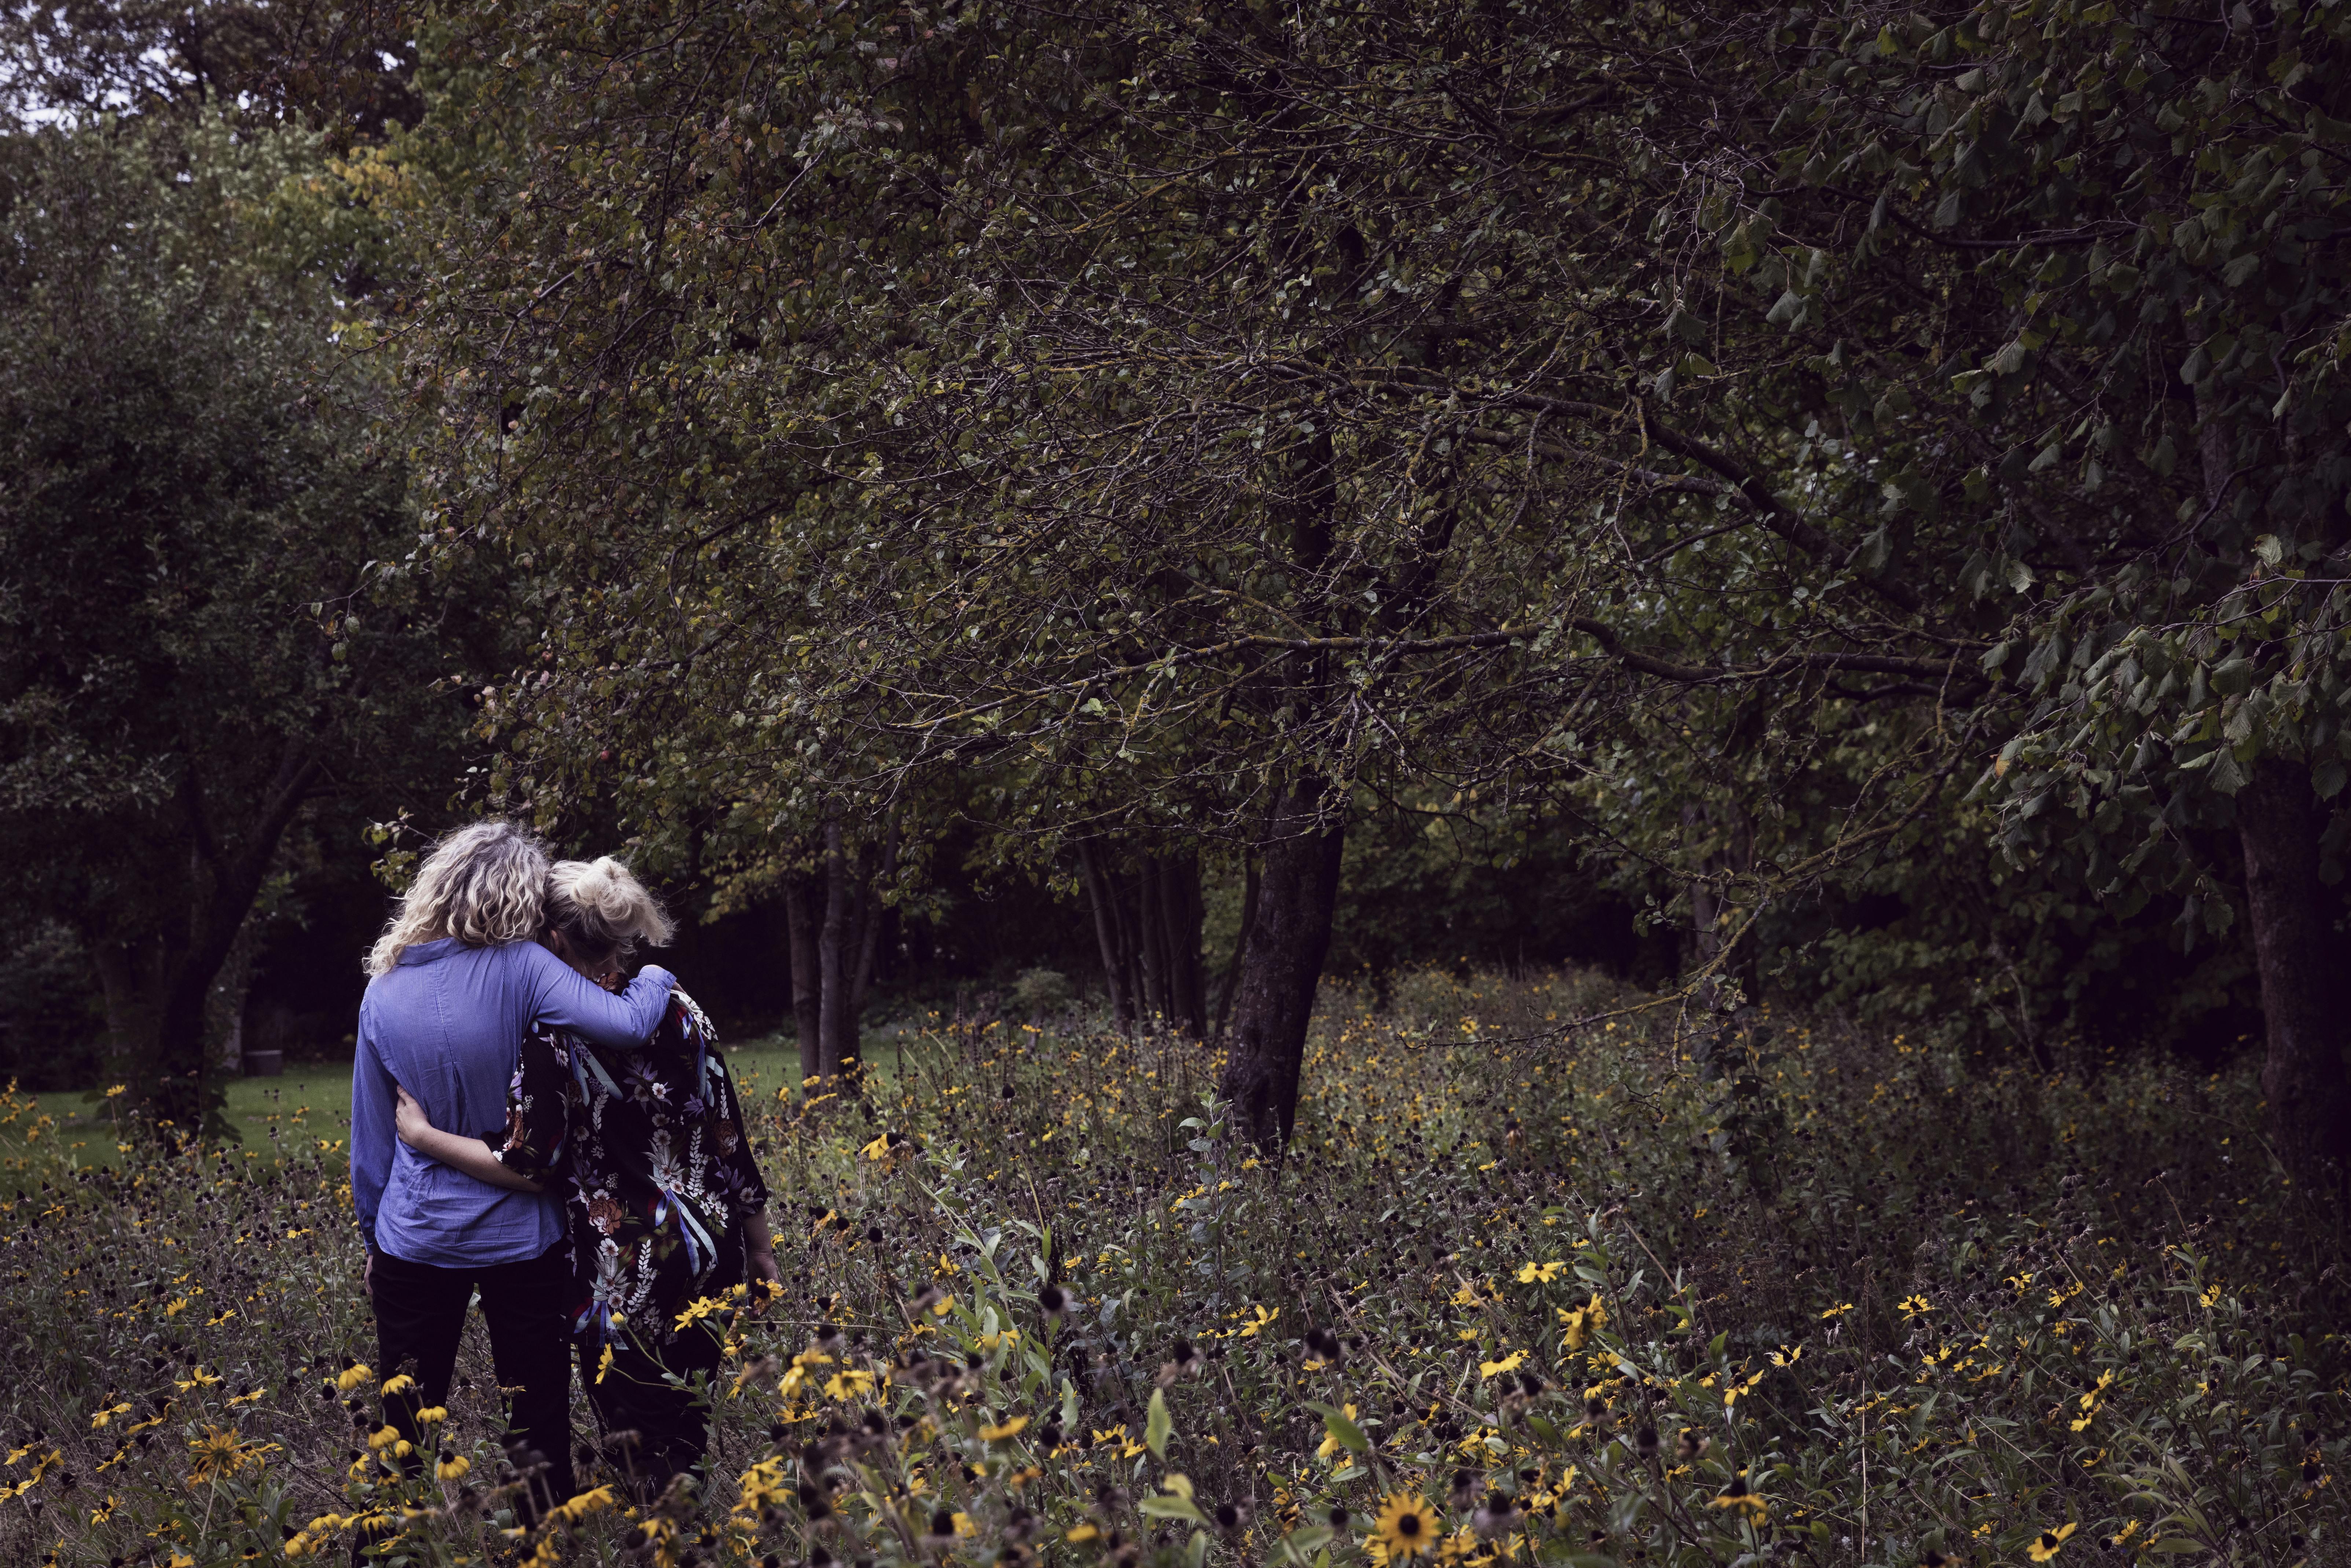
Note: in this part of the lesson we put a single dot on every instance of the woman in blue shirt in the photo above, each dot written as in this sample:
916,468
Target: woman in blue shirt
458,981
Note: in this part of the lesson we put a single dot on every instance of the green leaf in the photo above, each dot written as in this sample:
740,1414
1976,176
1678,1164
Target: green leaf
1156,1425
1336,1422
1310,1538
1170,1506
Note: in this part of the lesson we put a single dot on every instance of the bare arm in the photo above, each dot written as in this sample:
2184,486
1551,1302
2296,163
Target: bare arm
470,1155
761,1247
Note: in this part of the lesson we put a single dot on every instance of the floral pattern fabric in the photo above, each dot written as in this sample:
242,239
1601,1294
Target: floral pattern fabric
646,1151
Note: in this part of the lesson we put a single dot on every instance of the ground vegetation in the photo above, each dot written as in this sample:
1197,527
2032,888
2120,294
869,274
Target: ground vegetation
1797,1290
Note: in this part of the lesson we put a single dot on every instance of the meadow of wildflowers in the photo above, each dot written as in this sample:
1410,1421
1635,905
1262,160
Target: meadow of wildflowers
1631,1292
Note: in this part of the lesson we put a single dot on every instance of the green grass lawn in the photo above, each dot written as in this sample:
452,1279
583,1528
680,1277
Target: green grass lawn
313,1099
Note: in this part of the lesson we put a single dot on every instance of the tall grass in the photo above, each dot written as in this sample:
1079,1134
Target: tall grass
1626,1292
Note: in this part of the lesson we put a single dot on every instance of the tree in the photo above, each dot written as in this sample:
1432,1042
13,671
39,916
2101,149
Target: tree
2120,231
1201,417
195,497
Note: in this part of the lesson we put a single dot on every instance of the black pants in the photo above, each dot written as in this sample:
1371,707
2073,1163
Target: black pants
653,1428
420,1312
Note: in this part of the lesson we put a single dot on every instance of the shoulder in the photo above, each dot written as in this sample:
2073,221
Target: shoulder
524,955
692,1009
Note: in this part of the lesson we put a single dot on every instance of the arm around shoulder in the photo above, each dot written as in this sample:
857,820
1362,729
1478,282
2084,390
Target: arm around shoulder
565,998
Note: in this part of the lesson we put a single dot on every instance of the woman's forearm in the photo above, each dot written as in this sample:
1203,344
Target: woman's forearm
472,1157
759,1249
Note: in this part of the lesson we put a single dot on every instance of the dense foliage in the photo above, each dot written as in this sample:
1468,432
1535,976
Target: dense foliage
198,662
1799,1290
1801,449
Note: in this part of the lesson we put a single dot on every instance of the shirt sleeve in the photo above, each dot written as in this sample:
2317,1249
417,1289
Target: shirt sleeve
538,1110
563,998
373,1125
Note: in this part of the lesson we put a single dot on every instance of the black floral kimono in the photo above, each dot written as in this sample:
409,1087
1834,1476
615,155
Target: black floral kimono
648,1155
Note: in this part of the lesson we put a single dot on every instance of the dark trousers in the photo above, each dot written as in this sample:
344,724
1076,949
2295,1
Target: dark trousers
653,1429
420,1312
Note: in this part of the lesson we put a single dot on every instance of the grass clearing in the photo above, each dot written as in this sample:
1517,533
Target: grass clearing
311,1102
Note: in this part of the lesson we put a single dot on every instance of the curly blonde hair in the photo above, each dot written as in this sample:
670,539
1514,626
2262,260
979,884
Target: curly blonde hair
483,883
603,907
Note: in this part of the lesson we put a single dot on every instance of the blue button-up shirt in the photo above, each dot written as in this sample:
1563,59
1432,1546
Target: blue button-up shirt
447,1025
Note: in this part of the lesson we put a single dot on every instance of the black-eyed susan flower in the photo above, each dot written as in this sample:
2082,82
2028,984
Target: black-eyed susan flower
452,1468
1506,1364
2045,1545
1406,1527
1737,1495
1579,1324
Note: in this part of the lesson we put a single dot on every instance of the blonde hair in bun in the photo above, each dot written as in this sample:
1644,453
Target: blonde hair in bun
603,907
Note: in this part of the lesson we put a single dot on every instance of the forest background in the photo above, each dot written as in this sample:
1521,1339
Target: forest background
1137,535
1837,507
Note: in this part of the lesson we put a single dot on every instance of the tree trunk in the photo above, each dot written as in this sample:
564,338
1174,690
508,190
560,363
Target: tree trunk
1298,894
1099,895
1240,944
2279,821
1151,946
1179,920
802,920
836,1028
869,933
183,1091
225,1008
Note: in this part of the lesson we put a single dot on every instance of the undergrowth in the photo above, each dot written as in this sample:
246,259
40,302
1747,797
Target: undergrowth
1636,1293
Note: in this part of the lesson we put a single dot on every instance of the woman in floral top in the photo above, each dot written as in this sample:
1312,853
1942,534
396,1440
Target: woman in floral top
663,1203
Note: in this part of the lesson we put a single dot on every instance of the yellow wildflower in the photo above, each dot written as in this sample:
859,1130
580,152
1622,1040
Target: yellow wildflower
2044,1545
1406,1527
1509,1362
